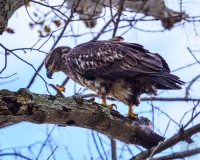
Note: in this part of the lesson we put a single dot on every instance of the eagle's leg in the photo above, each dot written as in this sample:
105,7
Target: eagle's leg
131,113
105,104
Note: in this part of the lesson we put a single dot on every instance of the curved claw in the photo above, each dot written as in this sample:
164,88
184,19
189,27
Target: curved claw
136,116
132,116
114,105
106,105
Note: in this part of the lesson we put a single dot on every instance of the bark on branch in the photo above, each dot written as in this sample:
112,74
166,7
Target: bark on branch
74,111
7,8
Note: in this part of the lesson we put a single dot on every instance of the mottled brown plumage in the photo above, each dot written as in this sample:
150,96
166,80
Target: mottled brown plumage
114,69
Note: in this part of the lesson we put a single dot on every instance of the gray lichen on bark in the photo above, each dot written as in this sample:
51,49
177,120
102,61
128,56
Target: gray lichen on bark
7,8
74,111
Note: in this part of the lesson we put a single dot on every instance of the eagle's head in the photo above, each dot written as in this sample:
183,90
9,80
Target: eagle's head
55,60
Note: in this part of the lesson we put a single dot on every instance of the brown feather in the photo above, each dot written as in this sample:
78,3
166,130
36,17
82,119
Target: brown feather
114,68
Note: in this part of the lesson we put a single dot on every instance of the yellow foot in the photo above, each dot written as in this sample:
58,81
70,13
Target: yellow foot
106,105
131,114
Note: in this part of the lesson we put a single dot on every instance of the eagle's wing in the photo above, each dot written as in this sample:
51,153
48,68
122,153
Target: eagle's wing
116,60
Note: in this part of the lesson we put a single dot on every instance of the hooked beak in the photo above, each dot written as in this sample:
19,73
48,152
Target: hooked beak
49,74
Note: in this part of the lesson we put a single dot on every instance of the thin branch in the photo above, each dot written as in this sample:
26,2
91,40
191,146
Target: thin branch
170,99
52,153
177,155
192,116
104,27
180,136
5,58
8,76
10,81
189,86
102,146
52,7
69,154
118,19
6,49
184,67
167,116
167,128
193,55
111,13
96,145
174,99
58,39
14,155
113,148
45,141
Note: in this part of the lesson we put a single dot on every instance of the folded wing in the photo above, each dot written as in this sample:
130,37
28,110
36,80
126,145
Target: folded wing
117,60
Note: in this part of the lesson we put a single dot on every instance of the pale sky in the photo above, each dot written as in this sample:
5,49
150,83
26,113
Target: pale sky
172,45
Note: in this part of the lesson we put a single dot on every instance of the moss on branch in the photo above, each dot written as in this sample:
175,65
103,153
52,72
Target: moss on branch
74,111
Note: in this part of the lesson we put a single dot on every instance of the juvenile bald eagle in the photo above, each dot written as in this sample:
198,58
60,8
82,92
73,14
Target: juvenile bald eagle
113,68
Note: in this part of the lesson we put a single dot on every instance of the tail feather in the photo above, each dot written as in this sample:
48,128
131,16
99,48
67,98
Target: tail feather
167,81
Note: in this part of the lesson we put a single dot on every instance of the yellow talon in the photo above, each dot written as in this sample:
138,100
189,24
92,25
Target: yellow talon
131,113
105,104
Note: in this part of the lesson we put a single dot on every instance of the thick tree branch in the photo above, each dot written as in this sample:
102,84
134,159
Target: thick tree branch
180,136
7,8
74,111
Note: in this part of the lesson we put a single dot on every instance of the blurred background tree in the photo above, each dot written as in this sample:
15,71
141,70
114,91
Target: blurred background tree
170,28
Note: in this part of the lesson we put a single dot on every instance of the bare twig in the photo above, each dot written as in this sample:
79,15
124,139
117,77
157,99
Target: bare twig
96,145
104,27
8,76
58,39
177,155
5,54
189,86
113,148
193,55
52,153
40,151
180,136
174,99
184,67
6,49
118,19
14,155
